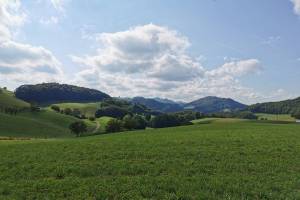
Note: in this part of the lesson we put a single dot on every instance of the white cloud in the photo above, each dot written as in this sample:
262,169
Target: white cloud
51,20
152,60
19,62
296,6
237,68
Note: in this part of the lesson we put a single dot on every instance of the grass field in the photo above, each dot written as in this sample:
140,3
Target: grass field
273,117
44,124
238,160
7,99
88,109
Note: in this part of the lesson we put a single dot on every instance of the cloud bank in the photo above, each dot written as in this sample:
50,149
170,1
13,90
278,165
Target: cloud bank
152,60
19,62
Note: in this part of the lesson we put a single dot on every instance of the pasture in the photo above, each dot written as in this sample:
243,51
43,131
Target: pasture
236,160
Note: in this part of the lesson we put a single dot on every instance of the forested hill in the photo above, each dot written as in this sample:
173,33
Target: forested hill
47,93
213,104
282,107
161,105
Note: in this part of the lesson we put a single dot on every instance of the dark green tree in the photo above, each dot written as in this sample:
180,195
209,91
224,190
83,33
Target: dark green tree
114,125
78,128
55,108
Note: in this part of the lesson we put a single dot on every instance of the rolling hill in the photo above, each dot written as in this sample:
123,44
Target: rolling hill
49,93
281,107
8,99
212,104
161,105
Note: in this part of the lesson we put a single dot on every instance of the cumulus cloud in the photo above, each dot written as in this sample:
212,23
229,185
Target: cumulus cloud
296,6
152,60
237,68
19,62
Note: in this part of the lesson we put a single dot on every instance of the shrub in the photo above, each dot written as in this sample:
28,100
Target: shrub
111,111
165,120
129,122
140,122
113,125
55,108
92,119
78,128
68,111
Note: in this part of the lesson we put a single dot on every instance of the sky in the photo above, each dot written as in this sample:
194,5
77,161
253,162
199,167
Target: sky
181,50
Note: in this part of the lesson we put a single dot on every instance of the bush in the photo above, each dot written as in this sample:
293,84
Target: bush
68,111
92,119
78,128
113,125
129,122
140,122
55,108
111,111
165,120
296,115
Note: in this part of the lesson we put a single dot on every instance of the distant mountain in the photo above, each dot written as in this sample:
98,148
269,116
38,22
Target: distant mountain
47,93
157,104
281,107
212,104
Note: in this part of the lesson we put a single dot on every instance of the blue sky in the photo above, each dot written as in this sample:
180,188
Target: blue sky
183,50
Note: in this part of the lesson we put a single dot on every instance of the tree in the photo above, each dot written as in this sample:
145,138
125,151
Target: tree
55,108
111,111
140,122
165,120
68,111
34,107
113,125
296,115
78,128
129,122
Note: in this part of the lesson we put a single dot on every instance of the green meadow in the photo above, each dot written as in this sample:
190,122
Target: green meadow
212,160
280,117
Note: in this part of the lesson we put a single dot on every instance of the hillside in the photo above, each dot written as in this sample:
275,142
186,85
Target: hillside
161,105
48,93
8,99
236,160
214,104
44,124
282,107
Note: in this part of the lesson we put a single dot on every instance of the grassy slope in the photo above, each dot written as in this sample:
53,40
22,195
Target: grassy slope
239,160
273,117
88,109
8,99
41,124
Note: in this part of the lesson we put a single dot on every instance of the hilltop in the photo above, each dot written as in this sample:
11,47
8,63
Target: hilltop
290,106
213,104
48,93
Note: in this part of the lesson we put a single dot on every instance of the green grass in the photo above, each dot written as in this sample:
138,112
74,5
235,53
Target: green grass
88,109
7,99
221,160
43,124
273,117
217,120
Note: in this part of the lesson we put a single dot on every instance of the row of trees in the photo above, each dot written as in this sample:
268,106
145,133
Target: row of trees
136,122
68,111
129,122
